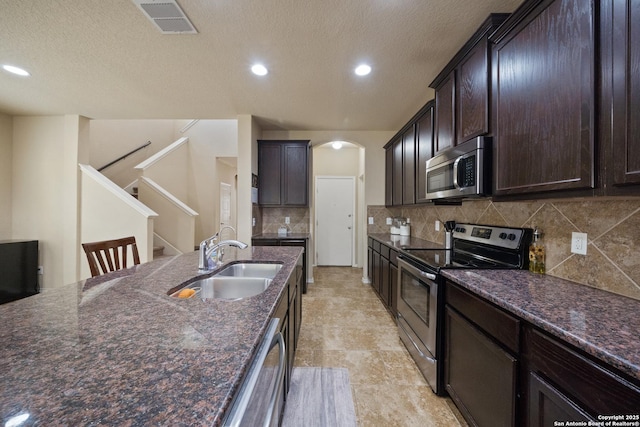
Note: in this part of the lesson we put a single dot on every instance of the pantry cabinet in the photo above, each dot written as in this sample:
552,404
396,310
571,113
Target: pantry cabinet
283,173
543,66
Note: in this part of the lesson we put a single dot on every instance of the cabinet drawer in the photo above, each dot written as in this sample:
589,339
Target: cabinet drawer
370,242
497,323
393,257
384,251
584,381
376,246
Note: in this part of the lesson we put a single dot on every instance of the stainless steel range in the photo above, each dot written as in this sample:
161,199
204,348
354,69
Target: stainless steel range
420,285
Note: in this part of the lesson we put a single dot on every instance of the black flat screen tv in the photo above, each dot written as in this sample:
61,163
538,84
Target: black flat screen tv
18,269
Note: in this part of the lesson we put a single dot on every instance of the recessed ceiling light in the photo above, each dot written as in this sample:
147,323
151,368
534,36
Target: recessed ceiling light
16,70
259,70
363,70
336,145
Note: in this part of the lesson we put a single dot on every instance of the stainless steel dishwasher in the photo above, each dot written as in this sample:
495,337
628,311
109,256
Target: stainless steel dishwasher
260,401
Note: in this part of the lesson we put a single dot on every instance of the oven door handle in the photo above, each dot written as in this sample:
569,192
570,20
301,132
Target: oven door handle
424,356
416,271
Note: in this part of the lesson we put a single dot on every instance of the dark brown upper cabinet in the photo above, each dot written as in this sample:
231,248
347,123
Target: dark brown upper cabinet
406,156
388,177
473,93
626,92
424,144
397,172
409,166
445,117
463,90
544,98
283,173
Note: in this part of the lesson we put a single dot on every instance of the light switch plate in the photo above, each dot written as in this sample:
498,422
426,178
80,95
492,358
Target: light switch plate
579,243
437,225
287,220
389,221
370,220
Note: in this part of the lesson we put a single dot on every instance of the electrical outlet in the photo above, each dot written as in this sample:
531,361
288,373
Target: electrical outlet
253,222
370,220
40,270
408,220
579,243
437,225
389,221
287,220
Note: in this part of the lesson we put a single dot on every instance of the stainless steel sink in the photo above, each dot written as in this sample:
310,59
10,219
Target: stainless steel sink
249,269
227,287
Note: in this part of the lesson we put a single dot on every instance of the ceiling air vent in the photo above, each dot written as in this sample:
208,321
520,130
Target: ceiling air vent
167,16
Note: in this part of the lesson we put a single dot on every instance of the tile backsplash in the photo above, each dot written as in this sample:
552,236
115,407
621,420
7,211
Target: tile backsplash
612,225
274,218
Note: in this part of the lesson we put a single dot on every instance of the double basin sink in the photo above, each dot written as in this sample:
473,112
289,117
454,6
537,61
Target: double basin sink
236,281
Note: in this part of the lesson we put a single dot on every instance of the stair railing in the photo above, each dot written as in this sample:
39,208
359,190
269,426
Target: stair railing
125,156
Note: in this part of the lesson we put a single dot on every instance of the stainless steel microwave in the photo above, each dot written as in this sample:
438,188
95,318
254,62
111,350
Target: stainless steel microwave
461,171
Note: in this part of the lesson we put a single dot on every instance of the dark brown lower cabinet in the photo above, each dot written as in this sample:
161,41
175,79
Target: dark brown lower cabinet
393,295
502,371
480,376
564,382
385,282
286,241
289,313
548,405
383,272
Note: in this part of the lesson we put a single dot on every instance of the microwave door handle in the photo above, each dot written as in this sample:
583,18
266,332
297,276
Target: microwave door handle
455,173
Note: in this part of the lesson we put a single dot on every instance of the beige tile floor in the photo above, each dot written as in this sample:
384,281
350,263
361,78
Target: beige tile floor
344,324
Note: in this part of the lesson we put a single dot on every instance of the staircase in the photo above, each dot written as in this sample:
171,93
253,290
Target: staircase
158,252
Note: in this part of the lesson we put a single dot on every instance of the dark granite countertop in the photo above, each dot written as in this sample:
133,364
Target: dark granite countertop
405,242
117,350
288,236
603,324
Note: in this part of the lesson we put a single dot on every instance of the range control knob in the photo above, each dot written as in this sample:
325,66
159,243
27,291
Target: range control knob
502,235
511,236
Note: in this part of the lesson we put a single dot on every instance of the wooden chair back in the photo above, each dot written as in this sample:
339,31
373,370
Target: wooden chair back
110,255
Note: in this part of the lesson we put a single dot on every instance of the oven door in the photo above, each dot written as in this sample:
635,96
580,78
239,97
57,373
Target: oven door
417,318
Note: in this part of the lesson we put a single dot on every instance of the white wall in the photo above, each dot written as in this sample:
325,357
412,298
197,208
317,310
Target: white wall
45,191
6,138
208,140
106,217
110,139
343,162
248,134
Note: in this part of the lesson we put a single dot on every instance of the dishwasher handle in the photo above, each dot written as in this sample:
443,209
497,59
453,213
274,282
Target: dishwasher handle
274,401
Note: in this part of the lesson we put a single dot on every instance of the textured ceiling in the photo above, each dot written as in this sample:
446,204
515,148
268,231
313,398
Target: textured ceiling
104,59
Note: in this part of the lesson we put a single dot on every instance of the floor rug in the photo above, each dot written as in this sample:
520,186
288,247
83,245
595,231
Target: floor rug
319,397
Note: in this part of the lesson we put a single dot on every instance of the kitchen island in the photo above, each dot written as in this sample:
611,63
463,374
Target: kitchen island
118,350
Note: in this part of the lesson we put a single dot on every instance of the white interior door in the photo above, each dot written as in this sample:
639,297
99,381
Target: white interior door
225,204
335,211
